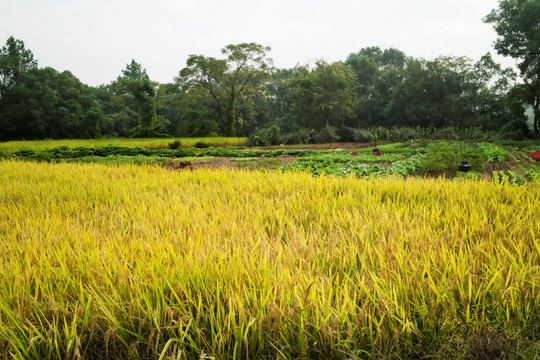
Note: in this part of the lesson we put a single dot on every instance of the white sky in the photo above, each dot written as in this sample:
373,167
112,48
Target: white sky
96,39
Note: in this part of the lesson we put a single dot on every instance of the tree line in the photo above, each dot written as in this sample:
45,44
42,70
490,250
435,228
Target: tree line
242,93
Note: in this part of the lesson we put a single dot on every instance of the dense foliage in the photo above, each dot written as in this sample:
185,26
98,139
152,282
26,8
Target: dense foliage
517,25
242,94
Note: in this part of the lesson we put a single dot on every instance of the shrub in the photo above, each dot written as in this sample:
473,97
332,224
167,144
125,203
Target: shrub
81,151
477,134
265,137
25,153
515,130
295,137
327,134
447,133
346,134
201,145
363,136
176,144
402,134
443,158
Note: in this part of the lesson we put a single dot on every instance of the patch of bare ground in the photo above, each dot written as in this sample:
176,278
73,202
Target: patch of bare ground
490,167
178,165
224,162
215,163
519,166
327,146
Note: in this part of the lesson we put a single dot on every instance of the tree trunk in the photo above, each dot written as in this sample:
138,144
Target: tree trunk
228,123
536,115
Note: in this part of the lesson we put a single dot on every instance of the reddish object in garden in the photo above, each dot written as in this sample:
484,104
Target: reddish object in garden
535,155
354,154
376,151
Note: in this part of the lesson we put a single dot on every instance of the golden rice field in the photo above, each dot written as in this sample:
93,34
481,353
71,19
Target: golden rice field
138,262
12,146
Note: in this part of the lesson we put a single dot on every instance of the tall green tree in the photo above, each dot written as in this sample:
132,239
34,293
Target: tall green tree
245,68
134,71
45,103
322,96
135,87
487,87
378,73
277,108
15,59
430,94
517,24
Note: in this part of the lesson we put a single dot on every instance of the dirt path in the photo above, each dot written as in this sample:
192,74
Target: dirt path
229,163
328,146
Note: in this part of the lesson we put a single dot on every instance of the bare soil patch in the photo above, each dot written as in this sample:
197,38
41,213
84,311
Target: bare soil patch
224,162
327,146
519,166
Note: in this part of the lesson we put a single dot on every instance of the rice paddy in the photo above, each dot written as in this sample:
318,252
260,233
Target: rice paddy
151,143
131,261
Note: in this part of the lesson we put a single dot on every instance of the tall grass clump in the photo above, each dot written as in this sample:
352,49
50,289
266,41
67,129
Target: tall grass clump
102,262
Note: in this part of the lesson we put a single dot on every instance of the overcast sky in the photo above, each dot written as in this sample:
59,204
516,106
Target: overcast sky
96,39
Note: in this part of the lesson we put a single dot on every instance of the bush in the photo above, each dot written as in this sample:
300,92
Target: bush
443,158
265,137
295,137
81,151
381,133
447,133
201,145
176,144
363,136
402,134
327,134
25,153
515,130
477,134
346,134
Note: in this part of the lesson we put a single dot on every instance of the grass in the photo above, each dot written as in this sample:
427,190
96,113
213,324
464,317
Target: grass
139,262
156,143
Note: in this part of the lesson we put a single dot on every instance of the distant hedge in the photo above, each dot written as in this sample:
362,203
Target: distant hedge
64,152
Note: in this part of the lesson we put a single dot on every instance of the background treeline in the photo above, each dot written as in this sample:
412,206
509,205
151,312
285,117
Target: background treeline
242,94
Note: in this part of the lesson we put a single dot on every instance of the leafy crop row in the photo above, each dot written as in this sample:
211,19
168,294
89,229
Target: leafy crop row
64,152
362,157
533,174
493,152
316,166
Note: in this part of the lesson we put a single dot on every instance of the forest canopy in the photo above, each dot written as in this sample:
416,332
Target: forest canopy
242,93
